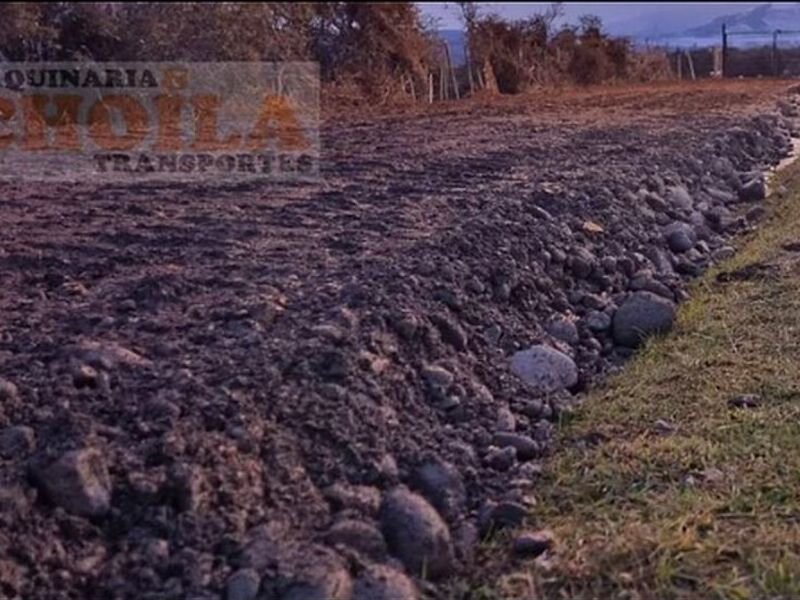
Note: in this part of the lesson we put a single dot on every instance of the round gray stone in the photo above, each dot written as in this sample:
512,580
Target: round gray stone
526,447
680,237
360,536
545,368
564,330
416,534
322,577
441,483
678,196
243,585
379,582
641,315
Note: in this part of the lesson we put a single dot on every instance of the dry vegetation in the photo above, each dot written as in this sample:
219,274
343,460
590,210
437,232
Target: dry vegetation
368,52
530,52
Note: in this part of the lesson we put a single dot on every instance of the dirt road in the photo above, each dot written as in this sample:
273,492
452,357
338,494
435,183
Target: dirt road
253,364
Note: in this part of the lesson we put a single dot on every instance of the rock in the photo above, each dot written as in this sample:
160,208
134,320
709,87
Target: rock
526,447
506,421
541,213
721,196
261,547
449,297
441,483
322,577
493,333
532,543
642,314
680,237
359,535
15,501
17,442
545,368
678,196
501,459
437,378
452,333
745,401
466,538
186,487
416,534
388,470
663,427
644,282
475,285
85,376
660,259
243,585
329,333
582,263
712,475
501,515
532,408
531,471
543,431
332,364
109,355
756,213
655,201
598,321
723,253
78,482
753,191
406,325
379,582
563,330
8,391
594,301
359,498
11,577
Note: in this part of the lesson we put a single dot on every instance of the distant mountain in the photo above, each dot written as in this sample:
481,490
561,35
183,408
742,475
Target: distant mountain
667,24
657,20
753,20
762,18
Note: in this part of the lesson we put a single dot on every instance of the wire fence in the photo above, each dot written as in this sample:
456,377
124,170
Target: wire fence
760,53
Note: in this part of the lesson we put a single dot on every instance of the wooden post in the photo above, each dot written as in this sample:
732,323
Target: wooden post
717,61
468,60
679,57
690,62
773,56
452,71
430,87
724,51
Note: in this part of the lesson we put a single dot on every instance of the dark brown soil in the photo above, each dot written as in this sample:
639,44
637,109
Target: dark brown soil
234,352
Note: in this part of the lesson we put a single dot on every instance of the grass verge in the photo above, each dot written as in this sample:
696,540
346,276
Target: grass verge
711,509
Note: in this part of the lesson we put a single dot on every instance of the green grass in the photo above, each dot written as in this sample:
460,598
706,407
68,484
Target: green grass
711,510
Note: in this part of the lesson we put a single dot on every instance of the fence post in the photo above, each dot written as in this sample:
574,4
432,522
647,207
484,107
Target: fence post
690,62
774,54
451,71
724,50
468,59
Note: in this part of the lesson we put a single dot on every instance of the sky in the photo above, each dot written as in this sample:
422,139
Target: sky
619,18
